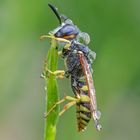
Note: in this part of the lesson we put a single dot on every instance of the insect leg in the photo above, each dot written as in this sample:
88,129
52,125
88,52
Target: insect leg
67,106
56,38
59,53
54,106
67,45
57,73
59,102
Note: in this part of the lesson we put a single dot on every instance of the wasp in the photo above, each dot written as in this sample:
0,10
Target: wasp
78,60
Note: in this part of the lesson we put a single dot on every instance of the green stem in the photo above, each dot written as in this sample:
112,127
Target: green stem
51,93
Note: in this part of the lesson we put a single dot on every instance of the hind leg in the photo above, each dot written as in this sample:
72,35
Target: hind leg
67,106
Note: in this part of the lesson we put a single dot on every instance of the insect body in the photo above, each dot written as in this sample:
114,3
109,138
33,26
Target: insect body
78,62
78,59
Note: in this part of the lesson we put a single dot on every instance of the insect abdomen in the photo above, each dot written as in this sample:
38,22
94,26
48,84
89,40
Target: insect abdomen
83,111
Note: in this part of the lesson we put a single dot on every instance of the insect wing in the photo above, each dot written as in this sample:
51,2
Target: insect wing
91,89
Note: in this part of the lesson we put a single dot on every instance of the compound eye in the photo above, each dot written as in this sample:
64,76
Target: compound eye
83,38
67,32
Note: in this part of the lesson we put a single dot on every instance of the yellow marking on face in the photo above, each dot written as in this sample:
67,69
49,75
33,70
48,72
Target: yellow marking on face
69,37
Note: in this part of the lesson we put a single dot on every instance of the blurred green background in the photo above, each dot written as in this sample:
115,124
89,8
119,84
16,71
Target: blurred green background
114,27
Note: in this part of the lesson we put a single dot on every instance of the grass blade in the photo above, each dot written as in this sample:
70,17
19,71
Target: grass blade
51,93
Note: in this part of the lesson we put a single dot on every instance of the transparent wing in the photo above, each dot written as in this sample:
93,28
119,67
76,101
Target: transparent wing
91,89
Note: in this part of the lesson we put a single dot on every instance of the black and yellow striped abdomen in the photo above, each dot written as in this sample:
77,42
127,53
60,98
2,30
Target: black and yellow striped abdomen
83,111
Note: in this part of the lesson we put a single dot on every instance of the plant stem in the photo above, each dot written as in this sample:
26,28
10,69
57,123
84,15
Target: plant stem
51,93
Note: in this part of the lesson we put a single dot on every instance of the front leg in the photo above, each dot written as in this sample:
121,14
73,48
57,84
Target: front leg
51,36
66,46
57,73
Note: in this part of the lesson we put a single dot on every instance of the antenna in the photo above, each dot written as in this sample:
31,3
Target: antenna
54,9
